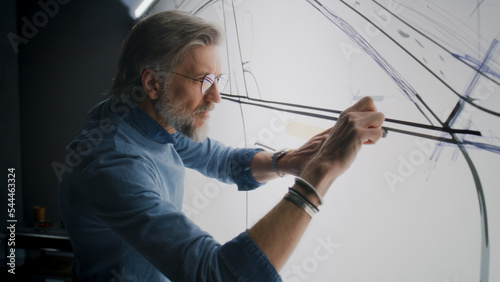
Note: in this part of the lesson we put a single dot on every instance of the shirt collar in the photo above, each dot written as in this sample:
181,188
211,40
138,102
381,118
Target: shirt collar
146,124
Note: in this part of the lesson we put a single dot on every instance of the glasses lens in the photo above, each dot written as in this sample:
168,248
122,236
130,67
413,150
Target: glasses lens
222,82
209,79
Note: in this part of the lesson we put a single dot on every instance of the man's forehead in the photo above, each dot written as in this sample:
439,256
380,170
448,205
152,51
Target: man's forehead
201,60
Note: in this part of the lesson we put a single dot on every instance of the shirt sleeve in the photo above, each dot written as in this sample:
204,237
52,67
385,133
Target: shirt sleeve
213,159
132,205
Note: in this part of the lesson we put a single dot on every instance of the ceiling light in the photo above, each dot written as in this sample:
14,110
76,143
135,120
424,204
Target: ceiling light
143,7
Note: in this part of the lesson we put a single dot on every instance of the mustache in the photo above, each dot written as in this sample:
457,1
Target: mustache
208,106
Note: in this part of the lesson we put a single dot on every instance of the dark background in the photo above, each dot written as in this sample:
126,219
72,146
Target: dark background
48,86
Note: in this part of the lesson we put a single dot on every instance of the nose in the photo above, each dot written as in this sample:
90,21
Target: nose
213,94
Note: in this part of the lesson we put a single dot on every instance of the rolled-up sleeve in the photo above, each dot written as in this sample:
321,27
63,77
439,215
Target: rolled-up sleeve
244,258
213,159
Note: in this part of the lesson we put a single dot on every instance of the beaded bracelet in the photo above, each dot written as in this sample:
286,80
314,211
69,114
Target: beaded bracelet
275,158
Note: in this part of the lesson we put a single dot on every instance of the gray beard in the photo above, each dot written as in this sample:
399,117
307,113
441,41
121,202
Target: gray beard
180,118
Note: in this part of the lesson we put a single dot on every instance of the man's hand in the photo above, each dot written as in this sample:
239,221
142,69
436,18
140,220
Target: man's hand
294,161
333,143
359,124
330,152
327,155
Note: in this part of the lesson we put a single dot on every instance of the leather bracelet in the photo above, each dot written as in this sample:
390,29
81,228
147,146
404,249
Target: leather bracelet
304,184
297,193
275,158
300,203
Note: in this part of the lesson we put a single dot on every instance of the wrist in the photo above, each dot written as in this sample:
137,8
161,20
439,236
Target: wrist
287,164
319,175
275,158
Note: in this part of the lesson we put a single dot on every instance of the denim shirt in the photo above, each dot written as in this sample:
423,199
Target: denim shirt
121,201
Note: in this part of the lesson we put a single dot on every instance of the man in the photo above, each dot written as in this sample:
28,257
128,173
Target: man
122,202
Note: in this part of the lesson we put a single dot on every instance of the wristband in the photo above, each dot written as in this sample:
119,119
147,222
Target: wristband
304,184
297,193
275,158
300,203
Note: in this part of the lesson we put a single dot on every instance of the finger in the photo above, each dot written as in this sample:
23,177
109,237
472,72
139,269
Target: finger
370,135
364,105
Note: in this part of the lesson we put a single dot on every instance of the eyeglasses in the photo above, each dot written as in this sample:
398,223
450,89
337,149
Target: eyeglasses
208,81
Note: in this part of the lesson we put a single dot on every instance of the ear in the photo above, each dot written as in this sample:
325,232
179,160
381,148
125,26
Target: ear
150,84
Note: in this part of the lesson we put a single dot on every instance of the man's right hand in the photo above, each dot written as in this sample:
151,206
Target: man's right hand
360,124
278,233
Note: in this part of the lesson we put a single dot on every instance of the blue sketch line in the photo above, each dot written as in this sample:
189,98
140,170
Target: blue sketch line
429,70
441,22
477,8
485,251
431,20
405,87
475,63
482,66
483,146
464,98
460,105
479,145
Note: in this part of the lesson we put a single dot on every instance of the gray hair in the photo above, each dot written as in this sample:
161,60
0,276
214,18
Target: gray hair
159,42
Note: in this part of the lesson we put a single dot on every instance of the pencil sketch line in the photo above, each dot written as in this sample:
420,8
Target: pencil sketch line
239,48
428,37
204,6
314,115
262,104
405,87
485,248
492,112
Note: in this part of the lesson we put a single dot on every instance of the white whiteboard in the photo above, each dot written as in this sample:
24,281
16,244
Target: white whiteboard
414,206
